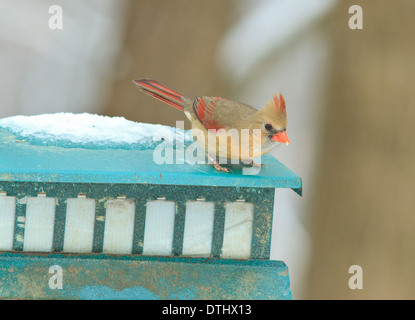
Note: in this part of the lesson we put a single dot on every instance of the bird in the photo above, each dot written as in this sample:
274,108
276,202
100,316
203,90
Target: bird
225,120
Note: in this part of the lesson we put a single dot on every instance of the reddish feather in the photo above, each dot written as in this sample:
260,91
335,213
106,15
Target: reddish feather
205,113
161,93
175,105
279,102
164,89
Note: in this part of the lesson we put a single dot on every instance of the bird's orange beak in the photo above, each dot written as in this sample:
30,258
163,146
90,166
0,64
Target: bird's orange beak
281,137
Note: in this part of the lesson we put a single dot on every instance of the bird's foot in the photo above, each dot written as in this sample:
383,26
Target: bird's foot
252,163
217,166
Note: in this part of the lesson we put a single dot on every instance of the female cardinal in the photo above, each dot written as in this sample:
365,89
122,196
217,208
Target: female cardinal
222,119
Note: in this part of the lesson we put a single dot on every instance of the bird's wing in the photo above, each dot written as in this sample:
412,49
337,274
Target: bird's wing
219,113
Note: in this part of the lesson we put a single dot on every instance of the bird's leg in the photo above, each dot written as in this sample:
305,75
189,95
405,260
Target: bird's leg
217,166
252,163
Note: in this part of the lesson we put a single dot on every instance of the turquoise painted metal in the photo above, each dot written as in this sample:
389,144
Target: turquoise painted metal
263,198
62,172
23,161
136,277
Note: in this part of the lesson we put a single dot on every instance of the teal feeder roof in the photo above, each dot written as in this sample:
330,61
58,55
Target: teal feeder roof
21,160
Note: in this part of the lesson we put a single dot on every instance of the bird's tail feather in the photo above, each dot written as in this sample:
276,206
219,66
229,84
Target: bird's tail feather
161,92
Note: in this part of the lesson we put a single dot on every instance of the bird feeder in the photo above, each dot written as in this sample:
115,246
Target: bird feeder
107,223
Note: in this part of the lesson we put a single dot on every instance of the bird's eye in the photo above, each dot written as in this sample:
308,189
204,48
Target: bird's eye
268,127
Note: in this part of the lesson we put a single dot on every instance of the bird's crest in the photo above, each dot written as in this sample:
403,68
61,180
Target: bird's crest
279,102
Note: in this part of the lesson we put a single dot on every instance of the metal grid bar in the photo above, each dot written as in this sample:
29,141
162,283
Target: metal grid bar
262,198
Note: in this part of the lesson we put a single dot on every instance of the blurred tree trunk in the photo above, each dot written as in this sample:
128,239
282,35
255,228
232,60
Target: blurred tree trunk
364,210
173,42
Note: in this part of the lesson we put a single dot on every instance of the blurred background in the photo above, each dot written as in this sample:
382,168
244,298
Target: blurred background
350,100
